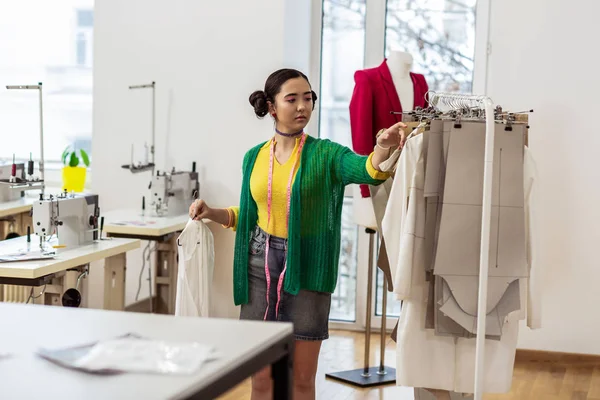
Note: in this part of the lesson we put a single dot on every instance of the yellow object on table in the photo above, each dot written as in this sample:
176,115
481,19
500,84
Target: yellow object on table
73,179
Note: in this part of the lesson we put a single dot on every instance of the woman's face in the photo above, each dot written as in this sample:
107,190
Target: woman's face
293,105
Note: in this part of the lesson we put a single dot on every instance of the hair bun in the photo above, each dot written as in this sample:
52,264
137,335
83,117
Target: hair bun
258,100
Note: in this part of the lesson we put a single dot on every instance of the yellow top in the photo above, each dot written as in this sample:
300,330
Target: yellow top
258,188
281,173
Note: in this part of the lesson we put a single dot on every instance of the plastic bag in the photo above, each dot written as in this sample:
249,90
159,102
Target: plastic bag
133,354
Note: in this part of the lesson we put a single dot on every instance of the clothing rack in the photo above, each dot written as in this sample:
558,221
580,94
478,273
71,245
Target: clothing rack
473,108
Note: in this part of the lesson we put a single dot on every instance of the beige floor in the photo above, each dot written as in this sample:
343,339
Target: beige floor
532,380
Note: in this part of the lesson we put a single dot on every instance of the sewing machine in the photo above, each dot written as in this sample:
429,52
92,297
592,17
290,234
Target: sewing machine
172,192
72,217
7,193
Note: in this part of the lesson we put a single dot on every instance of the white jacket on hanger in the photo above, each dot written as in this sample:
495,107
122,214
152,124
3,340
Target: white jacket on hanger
195,272
425,360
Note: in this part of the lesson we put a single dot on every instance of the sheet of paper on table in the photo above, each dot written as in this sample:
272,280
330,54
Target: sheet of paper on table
135,223
134,354
27,256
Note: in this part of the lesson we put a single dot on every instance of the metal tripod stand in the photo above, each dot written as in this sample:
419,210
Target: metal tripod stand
370,376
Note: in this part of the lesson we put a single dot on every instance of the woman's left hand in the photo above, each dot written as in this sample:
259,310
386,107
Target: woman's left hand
393,137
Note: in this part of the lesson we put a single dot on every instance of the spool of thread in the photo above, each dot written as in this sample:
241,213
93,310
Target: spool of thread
28,234
30,167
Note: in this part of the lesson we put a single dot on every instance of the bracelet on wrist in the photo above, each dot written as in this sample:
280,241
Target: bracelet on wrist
229,219
232,224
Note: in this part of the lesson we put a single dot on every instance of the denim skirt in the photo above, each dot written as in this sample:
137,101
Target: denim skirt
308,311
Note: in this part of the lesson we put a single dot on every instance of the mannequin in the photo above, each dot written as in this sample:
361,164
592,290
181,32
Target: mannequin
377,91
409,91
400,64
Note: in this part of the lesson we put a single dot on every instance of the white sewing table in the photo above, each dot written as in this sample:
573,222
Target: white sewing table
244,348
39,273
139,225
164,231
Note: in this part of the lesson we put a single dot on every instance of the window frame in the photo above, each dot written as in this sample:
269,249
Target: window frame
51,71
375,44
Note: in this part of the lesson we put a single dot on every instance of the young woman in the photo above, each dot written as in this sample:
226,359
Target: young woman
289,221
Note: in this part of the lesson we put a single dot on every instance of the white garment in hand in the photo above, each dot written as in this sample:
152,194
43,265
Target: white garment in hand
195,273
391,163
424,359
399,224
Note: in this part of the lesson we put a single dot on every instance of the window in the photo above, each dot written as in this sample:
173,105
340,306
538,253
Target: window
440,35
81,46
343,303
342,53
52,46
85,18
357,34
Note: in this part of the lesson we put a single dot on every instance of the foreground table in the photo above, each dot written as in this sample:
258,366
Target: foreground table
245,347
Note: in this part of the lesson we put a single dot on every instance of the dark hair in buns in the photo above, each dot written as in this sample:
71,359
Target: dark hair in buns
260,98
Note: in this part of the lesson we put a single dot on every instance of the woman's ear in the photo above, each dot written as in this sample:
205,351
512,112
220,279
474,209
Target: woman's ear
271,109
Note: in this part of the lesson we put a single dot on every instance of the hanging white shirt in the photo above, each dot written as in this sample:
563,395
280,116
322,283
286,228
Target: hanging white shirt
425,360
195,272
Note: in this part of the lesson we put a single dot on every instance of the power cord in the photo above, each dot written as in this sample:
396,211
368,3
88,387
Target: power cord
32,297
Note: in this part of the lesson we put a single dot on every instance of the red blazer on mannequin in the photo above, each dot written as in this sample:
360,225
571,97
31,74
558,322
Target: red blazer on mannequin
373,98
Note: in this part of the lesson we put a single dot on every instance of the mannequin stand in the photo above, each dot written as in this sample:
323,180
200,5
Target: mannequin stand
370,376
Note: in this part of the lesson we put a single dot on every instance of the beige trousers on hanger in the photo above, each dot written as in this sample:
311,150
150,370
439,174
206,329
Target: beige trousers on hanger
457,250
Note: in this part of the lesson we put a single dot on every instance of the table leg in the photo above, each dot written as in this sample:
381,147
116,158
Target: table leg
50,294
114,282
165,276
283,374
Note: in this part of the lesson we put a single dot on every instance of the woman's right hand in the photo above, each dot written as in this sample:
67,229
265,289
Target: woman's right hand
200,210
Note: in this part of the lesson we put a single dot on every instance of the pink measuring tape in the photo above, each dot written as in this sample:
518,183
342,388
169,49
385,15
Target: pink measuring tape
287,219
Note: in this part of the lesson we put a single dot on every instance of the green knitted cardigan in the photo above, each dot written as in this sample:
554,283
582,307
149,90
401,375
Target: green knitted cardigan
314,231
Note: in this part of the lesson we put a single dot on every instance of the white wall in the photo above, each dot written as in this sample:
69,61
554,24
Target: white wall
206,60
544,56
